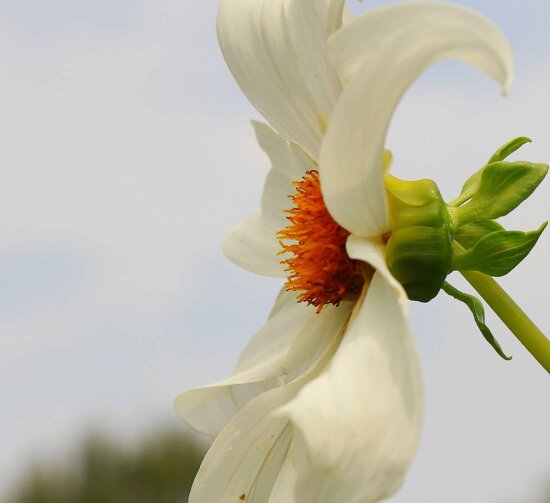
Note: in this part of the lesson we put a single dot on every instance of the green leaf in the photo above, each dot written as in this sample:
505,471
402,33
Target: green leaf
497,253
471,185
476,308
503,186
508,149
468,235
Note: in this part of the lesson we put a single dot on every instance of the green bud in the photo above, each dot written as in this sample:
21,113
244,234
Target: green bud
419,249
429,239
420,259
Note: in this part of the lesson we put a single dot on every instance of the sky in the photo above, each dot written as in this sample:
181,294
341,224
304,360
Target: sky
127,153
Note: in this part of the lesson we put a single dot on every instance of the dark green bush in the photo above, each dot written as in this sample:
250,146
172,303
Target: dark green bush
159,470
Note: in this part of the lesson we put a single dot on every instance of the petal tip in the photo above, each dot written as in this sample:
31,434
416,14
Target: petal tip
507,85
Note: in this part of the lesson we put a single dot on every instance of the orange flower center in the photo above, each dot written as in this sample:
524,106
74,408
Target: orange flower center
319,267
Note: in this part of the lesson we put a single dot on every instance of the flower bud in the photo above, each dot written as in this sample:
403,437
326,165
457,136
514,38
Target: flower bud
419,250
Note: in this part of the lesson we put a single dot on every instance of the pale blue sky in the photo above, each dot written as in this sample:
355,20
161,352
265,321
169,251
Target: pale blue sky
127,154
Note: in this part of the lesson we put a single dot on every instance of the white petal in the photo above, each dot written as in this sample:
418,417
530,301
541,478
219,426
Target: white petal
253,243
347,16
372,251
291,342
246,453
208,409
335,15
360,420
247,456
288,165
378,56
276,50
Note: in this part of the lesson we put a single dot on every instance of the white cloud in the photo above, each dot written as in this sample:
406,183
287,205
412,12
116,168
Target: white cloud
92,157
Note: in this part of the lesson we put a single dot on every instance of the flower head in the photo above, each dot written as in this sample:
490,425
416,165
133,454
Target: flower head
325,404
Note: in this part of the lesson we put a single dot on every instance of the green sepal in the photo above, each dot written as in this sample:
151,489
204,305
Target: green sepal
497,253
503,186
469,188
469,234
476,308
471,185
508,149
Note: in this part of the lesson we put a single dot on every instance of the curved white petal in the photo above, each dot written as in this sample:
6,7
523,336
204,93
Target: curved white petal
373,252
208,409
347,16
247,453
247,456
378,56
288,164
335,15
292,341
253,244
276,50
359,421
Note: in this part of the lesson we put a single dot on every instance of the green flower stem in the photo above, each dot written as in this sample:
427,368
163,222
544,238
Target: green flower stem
512,316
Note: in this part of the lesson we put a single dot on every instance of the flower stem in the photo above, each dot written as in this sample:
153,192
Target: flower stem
512,316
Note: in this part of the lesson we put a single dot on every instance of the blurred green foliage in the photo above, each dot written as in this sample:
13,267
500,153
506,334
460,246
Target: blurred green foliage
158,470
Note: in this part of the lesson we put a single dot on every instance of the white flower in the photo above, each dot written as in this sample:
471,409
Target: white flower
326,408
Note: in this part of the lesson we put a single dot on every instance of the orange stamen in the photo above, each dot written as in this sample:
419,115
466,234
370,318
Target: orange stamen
320,267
